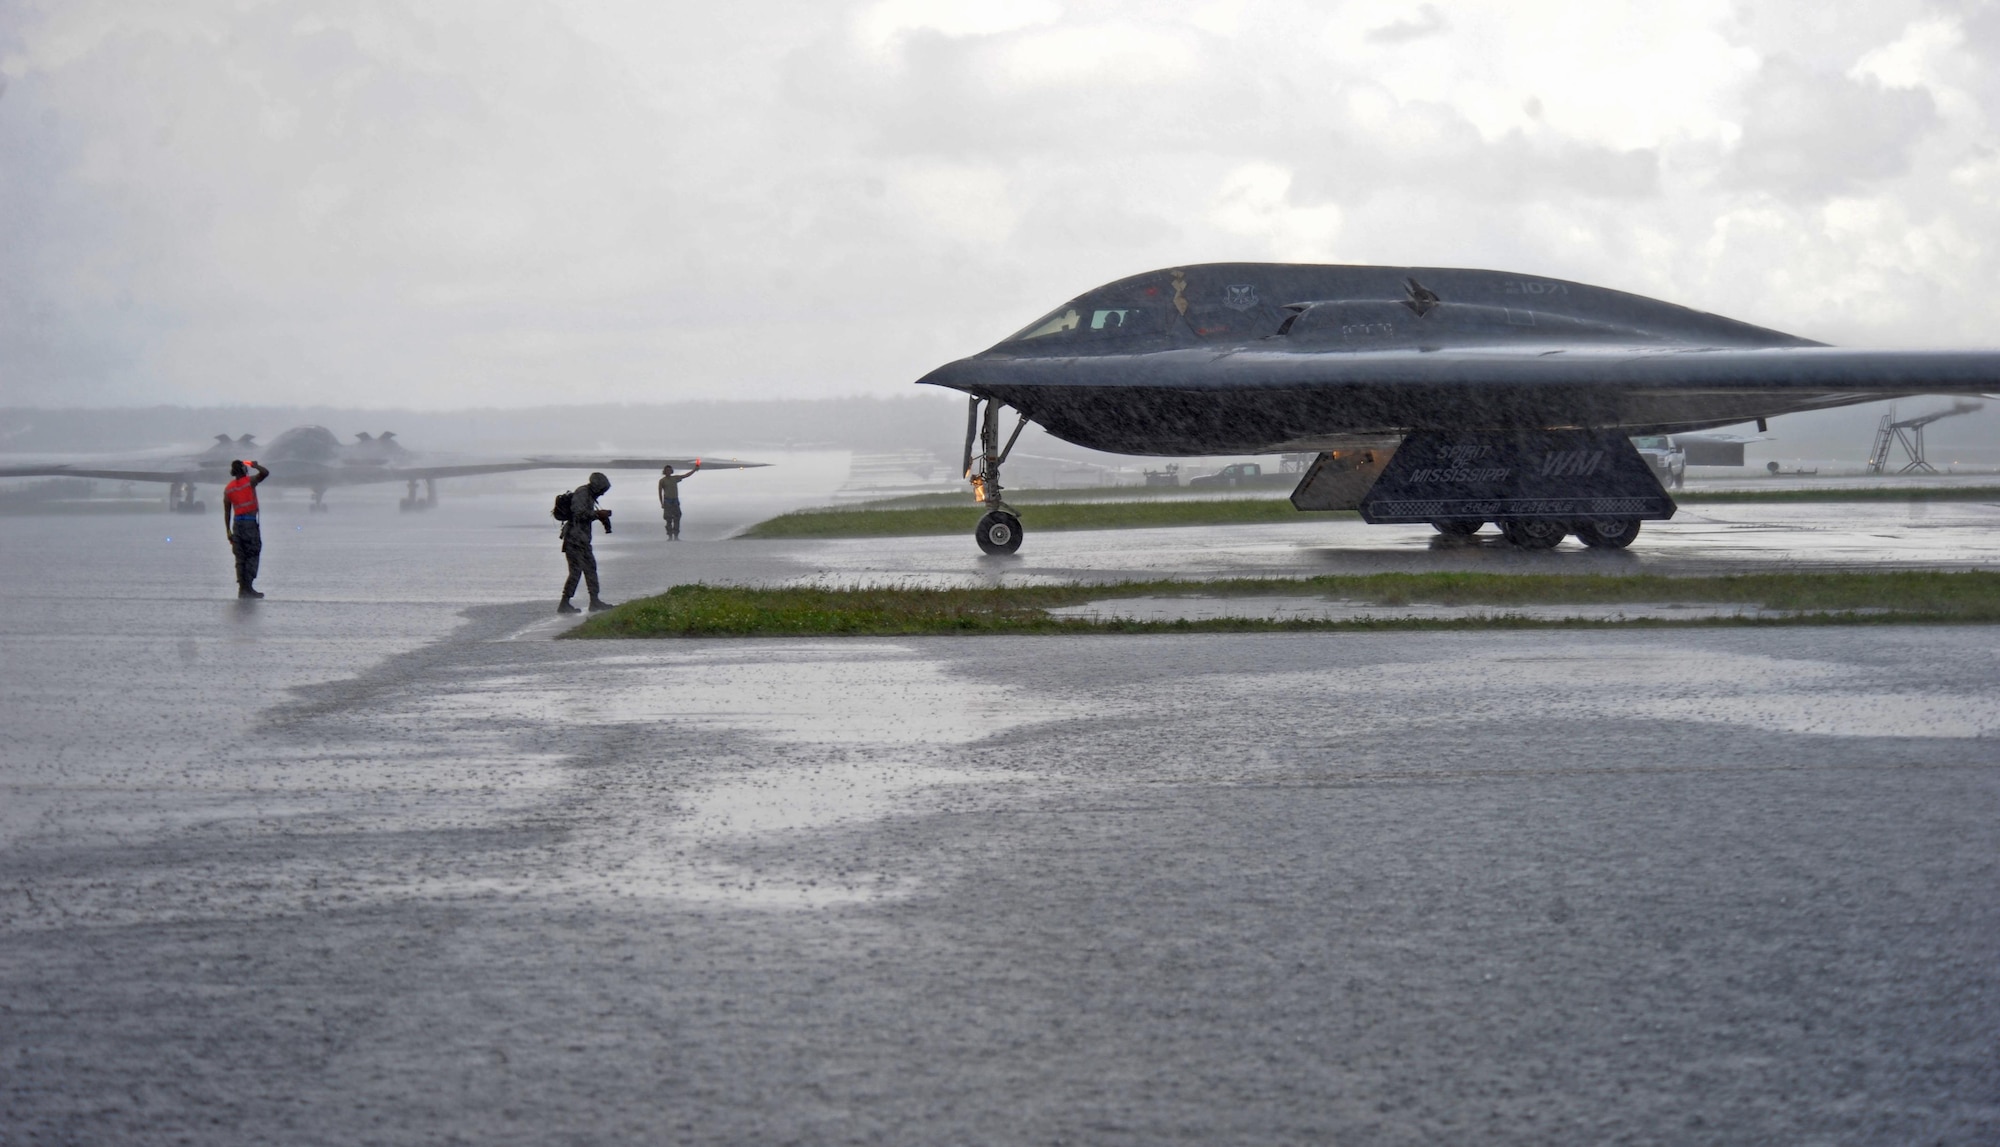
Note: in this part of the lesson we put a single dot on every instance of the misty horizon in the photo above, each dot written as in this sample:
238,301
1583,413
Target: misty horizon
930,423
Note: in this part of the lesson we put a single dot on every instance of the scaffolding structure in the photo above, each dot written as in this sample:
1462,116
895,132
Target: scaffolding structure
1909,433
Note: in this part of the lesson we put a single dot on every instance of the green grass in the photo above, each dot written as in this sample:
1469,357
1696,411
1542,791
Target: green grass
868,521
923,514
1041,496
812,611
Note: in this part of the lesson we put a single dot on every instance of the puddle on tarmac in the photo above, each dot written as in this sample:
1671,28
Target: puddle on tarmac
842,693
1836,713
789,800
860,732
1577,681
1276,607
838,734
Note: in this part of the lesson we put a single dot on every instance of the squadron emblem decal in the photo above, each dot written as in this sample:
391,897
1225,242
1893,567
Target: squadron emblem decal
1239,296
1180,292
1421,299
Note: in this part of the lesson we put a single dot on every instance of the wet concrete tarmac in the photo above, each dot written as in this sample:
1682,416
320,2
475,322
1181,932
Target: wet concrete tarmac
372,861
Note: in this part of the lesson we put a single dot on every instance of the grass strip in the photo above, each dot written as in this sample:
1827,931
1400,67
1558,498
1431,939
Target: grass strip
902,611
959,518
952,514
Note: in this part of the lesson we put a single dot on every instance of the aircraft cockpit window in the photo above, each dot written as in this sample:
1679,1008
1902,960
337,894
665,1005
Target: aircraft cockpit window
1092,322
1062,322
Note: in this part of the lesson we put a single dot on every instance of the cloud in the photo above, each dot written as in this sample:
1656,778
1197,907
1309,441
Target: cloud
1427,22
519,201
1254,201
1817,134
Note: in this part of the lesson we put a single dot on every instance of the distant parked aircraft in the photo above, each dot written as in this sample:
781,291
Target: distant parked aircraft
311,458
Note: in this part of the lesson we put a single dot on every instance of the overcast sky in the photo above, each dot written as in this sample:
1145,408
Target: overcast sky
508,202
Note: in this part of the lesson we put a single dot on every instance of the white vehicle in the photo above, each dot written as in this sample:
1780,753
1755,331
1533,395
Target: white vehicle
1667,459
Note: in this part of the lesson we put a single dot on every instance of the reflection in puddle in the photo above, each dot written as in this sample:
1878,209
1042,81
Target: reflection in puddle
788,800
854,732
843,693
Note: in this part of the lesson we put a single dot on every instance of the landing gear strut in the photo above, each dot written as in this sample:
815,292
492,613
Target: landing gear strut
180,499
999,531
318,505
413,502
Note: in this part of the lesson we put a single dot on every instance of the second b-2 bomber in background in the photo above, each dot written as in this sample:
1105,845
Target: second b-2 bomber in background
312,458
1427,394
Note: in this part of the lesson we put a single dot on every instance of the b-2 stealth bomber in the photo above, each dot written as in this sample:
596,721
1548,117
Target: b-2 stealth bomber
1429,394
312,458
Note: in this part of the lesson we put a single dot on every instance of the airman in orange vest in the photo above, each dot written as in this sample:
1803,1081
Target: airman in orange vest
239,522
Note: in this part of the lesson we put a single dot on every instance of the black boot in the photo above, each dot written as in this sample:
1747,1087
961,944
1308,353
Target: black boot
566,607
599,605
246,591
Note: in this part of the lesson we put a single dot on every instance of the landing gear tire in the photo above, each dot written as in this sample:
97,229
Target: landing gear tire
1457,528
999,533
1534,533
1606,533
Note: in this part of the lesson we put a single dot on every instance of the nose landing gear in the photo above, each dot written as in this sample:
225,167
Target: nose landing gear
999,531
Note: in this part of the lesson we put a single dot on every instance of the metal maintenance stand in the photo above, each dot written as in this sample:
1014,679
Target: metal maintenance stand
1909,433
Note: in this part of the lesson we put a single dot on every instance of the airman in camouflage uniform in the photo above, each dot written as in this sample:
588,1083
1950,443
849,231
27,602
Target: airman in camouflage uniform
583,510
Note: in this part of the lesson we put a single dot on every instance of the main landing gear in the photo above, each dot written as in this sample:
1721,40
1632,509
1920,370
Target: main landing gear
999,531
412,502
318,505
1606,533
1548,533
181,500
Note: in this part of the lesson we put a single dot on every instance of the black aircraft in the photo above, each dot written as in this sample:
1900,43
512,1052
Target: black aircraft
1429,394
311,458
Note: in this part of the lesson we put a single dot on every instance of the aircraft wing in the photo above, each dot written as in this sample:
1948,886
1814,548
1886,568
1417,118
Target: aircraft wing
281,474
644,463
311,475
366,475
1254,400
61,471
359,476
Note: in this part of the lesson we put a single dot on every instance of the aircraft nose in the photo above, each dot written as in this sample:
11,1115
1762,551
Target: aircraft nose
963,374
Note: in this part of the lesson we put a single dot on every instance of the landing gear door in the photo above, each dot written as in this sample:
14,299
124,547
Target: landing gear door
1527,474
1339,479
